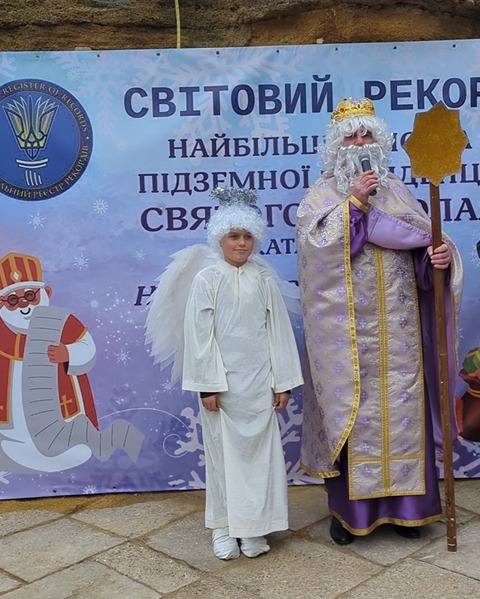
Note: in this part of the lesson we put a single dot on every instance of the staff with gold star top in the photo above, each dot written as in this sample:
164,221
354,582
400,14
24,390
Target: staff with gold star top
435,156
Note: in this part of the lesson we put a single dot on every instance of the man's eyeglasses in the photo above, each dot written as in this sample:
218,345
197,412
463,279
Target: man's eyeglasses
13,300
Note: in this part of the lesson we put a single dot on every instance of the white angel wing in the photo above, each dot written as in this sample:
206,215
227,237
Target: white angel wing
289,291
166,315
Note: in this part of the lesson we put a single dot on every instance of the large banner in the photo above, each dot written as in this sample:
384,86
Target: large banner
107,162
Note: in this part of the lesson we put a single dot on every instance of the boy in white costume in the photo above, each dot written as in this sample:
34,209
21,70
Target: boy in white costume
241,357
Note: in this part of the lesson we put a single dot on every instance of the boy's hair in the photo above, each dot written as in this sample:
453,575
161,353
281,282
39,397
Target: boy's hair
237,210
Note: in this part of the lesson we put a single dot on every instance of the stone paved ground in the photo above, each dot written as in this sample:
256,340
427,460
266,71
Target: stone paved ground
152,545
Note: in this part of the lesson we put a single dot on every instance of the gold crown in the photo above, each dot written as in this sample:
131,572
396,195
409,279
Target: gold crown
350,107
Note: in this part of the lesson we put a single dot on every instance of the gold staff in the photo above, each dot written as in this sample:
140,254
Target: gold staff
435,148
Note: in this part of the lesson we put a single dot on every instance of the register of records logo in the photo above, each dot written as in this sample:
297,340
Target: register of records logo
46,139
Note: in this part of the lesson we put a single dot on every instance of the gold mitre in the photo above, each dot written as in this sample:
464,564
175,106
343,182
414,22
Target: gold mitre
19,271
350,107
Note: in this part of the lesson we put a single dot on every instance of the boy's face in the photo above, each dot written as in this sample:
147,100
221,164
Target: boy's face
237,245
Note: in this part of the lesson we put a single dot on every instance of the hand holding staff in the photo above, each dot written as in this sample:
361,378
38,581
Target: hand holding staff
435,148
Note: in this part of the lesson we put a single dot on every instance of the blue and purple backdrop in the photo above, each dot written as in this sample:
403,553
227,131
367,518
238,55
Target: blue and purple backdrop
107,162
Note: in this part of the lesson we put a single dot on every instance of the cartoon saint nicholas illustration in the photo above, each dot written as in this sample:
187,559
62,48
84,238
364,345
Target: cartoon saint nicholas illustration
48,420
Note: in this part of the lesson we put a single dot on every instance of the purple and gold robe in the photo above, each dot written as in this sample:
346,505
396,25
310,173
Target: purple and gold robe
371,405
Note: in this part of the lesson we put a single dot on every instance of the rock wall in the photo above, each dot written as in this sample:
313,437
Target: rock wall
115,24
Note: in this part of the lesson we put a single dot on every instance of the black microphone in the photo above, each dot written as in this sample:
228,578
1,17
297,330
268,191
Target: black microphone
366,166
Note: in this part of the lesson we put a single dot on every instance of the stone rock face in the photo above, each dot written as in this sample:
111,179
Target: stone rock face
116,24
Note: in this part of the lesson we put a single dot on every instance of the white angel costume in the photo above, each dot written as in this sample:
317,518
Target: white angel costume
239,342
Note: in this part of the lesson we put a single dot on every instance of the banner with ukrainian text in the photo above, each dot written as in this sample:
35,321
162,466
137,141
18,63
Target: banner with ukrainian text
106,166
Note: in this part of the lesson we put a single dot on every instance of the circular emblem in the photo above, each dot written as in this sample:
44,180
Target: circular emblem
46,139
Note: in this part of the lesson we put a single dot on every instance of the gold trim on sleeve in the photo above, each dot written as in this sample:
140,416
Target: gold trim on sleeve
358,203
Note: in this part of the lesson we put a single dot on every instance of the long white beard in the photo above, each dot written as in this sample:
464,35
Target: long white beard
18,320
348,167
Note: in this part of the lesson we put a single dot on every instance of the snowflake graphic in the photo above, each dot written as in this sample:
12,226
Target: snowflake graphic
196,482
123,356
474,259
140,256
168,386
94,304
73,74
194,441
290,421
191,442
89,490
3,477
36,220
98,79
80,261
176,75
100,206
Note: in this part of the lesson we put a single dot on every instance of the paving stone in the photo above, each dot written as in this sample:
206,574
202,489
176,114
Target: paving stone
188,540
411,579
467,495
7,583
16,521
135,557
297,569
137,519
213,588
149,567
84,581
42,550
306,505
466,560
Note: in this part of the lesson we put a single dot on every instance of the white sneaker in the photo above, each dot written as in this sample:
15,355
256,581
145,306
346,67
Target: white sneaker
253,546
224,546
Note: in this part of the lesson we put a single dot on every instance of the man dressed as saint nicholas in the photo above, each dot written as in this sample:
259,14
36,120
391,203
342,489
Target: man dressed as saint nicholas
371,399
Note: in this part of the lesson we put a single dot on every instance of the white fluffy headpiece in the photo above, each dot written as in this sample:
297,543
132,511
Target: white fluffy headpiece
237,210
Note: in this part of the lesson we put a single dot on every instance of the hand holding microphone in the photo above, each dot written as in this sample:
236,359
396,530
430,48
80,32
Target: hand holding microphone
364,159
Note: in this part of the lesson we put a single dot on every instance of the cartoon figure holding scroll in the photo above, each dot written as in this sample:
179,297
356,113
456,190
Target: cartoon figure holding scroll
48,420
